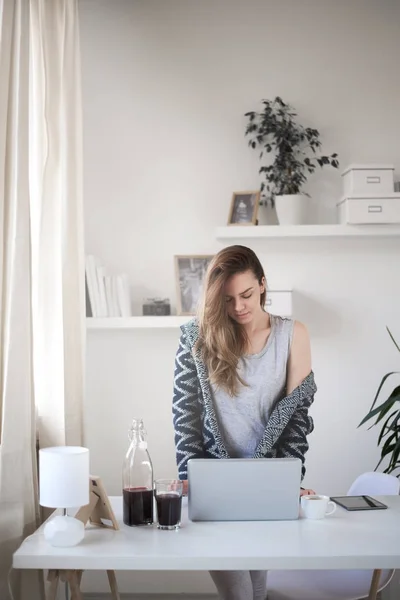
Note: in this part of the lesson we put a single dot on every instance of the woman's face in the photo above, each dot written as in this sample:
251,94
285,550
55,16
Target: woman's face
242,296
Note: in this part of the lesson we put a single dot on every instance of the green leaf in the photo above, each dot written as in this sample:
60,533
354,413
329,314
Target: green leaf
390,430
389,470
389,406
383,456
393,340
376,396
388,448
385,427
390,439
393,398
395,456
395,423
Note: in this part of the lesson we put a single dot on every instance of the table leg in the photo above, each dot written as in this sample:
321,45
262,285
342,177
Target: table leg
73,579
113,585
373,590
53,579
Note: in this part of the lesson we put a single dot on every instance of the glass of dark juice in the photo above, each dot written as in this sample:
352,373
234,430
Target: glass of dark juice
168,493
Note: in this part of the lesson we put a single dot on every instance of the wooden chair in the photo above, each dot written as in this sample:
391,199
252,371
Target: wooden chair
338,584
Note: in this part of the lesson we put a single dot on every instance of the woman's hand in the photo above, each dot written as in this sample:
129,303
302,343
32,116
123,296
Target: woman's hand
185,487
306,492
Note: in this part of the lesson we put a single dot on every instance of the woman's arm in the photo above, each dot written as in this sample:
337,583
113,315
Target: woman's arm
299,363
186,409
293,441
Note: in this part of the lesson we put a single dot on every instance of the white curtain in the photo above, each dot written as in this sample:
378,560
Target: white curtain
42,334
57,221
18,482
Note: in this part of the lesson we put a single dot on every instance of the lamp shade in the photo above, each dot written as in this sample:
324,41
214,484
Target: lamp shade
64,477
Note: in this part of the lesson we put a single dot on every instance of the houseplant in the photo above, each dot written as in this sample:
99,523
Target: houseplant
295,151
389,435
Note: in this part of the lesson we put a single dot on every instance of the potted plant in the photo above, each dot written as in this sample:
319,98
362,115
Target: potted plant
389,435
294,149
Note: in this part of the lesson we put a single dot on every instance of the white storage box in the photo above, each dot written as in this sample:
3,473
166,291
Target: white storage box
368,179
279,302
361,210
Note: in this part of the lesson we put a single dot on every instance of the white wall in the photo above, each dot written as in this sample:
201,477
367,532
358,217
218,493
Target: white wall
166,84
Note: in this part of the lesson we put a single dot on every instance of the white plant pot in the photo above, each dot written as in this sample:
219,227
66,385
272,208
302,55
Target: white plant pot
266,215
291,209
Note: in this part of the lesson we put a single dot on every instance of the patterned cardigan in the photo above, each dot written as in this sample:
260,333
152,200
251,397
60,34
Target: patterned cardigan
197,433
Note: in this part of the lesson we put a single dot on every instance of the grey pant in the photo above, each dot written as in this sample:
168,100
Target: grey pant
240,585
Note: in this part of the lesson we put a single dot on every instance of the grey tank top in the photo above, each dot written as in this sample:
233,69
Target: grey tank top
243,418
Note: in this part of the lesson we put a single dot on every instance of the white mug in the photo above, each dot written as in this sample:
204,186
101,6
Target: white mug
317,507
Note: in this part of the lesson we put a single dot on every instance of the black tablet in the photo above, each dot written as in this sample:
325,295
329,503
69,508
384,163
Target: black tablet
358,502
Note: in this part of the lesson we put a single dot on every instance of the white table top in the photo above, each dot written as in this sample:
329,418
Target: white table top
345,540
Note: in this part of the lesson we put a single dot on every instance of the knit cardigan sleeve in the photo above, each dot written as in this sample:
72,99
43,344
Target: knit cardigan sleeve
186,409
293,441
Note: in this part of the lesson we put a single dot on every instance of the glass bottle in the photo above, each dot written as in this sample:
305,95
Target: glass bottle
137,479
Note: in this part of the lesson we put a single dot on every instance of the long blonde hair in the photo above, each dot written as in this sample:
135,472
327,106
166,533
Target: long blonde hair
222,340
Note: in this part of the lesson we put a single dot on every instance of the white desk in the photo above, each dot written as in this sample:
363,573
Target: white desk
360,540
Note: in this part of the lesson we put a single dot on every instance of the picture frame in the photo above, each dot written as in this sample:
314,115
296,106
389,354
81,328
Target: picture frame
190,271
244,208
99,511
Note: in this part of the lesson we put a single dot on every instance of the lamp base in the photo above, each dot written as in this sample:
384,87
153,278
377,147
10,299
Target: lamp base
64,531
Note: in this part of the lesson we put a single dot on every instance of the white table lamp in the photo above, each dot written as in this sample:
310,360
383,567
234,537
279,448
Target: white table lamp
64,483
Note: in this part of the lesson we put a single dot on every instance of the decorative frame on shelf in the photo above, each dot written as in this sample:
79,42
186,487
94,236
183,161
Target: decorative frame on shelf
244,208
189,274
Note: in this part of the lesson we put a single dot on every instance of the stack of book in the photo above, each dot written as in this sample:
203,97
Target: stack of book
107,295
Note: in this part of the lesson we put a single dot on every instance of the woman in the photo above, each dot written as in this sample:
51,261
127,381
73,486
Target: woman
243,384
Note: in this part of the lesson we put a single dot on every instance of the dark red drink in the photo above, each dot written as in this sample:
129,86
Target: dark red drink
137,506
169,507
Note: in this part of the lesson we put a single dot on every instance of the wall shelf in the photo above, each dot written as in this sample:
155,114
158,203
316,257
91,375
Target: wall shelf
136,322
306,231
279,302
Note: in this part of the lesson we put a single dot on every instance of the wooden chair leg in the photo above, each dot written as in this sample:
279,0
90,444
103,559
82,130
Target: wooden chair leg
112,580
53,579
373,590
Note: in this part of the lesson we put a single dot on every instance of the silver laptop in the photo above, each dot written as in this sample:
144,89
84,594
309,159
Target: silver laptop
244,489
